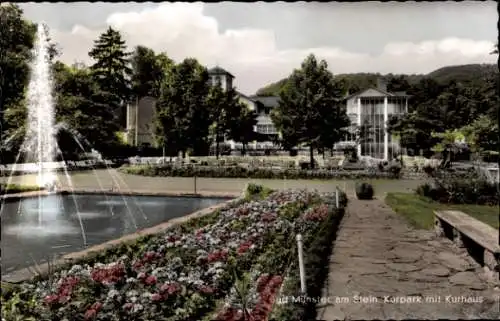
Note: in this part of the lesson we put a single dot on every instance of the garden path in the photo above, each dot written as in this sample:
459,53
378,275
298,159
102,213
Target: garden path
376,254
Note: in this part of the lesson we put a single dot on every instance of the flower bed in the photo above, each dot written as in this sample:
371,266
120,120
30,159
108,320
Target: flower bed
188,271
256,173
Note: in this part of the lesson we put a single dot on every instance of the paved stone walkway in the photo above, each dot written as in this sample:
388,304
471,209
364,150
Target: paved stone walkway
379,259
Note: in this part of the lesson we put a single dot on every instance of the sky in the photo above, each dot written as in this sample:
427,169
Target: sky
260,42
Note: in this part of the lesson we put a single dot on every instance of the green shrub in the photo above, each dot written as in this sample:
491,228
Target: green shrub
364,191
253,191
458,191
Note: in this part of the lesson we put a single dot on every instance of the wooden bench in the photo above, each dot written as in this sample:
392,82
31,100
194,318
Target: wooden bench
456,225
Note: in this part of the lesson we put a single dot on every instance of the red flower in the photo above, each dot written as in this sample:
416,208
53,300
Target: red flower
97,306
91,313
172,238
319,213
242,211
244,247
268,217
150,280
111,274
150,257
220,255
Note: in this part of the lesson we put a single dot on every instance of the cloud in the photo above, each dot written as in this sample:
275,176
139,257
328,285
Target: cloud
184,30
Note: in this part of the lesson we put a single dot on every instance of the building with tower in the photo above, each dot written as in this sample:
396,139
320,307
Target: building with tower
140,114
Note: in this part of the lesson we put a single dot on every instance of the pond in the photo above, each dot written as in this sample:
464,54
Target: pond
35,229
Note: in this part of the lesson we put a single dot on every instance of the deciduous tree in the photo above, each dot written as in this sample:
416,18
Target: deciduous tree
310,110
183,116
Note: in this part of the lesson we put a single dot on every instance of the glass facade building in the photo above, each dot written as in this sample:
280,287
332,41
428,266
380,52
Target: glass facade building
371,109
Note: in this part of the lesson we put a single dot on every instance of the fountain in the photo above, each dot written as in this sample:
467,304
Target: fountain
43,225
40,142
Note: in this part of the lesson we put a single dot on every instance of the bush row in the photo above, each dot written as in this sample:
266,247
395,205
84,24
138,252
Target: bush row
460,188
255,173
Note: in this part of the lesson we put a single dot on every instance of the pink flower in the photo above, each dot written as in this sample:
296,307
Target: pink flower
150,280
156,297
51,299
170,288
128,306
90,314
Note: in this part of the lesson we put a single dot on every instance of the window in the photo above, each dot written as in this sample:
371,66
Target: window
266,129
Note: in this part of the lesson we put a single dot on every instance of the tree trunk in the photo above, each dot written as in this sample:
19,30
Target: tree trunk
311,156
243,149
217,146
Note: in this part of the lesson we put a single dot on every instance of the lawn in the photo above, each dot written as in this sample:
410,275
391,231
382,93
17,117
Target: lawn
14,188
418,210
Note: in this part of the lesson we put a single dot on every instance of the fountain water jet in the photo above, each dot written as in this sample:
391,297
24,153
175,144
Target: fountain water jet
40,142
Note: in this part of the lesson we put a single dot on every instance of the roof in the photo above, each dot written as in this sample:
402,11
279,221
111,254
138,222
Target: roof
243,95
219,71
383,92
267,101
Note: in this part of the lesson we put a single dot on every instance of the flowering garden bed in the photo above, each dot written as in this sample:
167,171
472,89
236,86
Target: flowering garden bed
229,265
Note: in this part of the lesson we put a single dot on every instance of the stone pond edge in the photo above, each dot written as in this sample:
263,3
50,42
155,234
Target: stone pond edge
26,274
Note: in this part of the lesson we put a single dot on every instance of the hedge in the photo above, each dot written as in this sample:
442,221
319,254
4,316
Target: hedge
255,173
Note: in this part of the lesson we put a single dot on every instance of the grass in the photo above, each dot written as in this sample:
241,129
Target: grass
419,211
14,188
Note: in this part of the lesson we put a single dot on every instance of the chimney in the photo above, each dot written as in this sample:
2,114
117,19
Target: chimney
381,84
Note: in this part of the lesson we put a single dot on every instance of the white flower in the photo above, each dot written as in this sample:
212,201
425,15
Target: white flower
112,294
132,293
137,307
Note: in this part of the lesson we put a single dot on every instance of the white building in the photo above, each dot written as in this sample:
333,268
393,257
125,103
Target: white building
372,107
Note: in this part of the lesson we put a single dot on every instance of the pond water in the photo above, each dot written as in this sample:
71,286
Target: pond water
35,229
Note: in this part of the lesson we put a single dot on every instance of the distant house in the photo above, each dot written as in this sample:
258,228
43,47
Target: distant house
372,107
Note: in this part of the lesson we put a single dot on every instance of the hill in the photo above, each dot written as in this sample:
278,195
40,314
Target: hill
356,81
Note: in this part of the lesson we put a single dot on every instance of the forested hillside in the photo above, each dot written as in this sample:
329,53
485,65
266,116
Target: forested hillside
443,76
